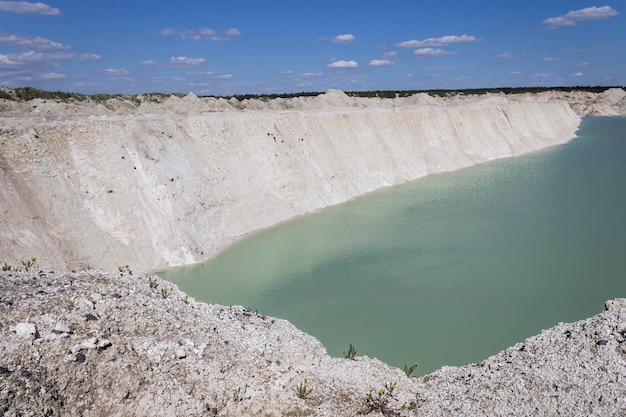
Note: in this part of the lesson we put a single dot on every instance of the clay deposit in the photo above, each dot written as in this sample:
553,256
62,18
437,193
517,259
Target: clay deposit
156,185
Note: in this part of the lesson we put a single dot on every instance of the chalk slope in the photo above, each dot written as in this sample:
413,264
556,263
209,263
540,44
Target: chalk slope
156,185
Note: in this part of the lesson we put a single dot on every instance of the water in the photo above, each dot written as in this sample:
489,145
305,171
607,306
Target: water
449,269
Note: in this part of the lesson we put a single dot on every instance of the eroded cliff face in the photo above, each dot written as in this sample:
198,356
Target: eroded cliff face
168,184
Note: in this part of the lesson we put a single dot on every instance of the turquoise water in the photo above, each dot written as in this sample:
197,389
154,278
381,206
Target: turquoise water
449,269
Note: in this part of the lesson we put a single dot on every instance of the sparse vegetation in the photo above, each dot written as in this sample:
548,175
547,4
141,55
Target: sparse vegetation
237,395
29,263
408,370
416,403
28,93
6,267
125,270
165,293
153,283
381,401
302,390
351,353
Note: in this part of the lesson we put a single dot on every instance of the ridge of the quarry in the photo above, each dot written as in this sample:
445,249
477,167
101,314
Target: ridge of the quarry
90,186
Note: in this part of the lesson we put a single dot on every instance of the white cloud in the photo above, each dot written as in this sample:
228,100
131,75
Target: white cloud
442,41
343,39
39,60
88,57
380,62
52,76
573,17
200,73
29,42
343,64
225,76
116,71
24,7
506,55
390,54
206,31
551,59
312,74
148,62
577,74
203,34
423,52
186,62
540,74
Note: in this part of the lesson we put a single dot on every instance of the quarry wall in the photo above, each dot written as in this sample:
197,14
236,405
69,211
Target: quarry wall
172,183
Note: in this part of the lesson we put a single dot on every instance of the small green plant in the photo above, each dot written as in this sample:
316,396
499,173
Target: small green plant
408,370
351,353
29,263
153,283
381,401
302,390
165,293
6,267
416,403
237,396
125,270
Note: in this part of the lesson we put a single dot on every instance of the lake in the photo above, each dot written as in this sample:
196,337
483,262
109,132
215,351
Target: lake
448,269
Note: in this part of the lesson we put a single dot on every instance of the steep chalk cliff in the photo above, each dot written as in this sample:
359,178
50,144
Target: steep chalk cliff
172,183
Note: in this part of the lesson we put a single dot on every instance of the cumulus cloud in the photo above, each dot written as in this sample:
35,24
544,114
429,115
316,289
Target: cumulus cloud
184,61
88,57
380,62
540,74
200,73
202,34
24,7
424,52
30,42
573,17
52,76
506,55
442,41
116,71
312,74
577,74
148,62
206,31
225,76
343,64
29,58
343,39
390,54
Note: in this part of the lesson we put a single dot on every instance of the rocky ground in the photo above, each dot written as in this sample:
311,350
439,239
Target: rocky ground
95,343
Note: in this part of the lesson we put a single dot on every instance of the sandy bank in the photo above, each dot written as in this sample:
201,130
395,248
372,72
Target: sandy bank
155,185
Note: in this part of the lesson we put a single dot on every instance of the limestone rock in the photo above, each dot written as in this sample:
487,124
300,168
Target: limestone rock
246,364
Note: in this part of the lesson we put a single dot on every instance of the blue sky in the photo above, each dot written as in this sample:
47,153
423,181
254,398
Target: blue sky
224,47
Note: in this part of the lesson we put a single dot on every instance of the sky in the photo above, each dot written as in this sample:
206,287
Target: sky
228,47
